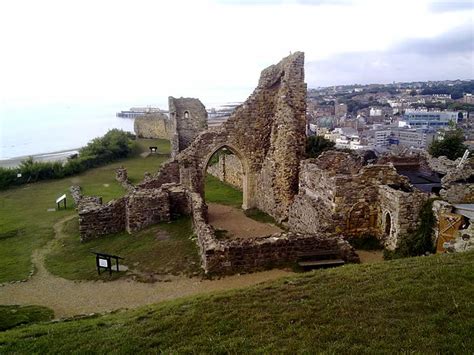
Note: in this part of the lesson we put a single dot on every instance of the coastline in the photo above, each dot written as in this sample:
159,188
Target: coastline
60,155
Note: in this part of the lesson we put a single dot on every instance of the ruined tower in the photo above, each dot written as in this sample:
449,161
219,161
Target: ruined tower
188,118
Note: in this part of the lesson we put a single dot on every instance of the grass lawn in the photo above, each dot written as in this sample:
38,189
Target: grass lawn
12,316
25,223
217,191
415,305
162,249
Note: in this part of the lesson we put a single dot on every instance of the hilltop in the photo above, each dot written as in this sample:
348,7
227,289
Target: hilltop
419,304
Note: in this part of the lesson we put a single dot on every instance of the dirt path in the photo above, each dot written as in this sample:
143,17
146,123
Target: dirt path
68,298
237,223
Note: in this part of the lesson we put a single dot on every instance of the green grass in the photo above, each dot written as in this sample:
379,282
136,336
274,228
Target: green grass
13,316
26,225
415,305
144,252
217,191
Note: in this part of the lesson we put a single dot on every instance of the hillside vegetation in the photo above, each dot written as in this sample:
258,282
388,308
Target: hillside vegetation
422,304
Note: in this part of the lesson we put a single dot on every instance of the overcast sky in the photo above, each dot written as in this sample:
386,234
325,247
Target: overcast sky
100,50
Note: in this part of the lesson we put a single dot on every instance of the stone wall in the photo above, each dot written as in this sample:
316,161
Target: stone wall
98,220
399,214
188,118
145,208
337,194
458,184
267,134
152,125
228,169
251,254
168,173
121,175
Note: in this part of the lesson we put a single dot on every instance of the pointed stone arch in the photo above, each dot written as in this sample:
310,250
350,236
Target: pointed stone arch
247,200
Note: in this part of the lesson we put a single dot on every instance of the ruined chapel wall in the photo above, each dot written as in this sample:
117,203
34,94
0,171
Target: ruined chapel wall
188,117
169,173
145,208
267,133
228,169
152,125
96,221
403,209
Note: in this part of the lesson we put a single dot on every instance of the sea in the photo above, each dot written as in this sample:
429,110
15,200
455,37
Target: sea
46,131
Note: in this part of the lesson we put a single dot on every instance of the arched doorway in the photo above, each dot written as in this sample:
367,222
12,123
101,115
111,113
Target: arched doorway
226,173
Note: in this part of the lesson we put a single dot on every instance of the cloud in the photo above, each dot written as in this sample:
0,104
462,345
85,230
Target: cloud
458,40
448,56
449,6
285,2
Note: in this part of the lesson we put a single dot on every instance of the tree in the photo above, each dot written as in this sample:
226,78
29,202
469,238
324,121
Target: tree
315,145
451,146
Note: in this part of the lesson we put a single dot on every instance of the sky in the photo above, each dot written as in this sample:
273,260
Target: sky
64,51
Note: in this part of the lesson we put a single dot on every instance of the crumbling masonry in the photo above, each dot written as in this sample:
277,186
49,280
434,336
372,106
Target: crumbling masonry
323,201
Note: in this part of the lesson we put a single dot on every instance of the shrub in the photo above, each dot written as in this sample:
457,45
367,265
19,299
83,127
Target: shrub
315,145
115,144
451,146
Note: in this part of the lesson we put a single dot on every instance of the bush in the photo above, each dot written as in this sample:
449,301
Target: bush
315,145
115,144
451,146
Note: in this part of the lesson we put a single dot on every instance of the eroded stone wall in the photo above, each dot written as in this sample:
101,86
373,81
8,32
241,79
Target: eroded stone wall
152,125
267,133
98,220
251,254
145,208
458,184
188,118
228,169
338,194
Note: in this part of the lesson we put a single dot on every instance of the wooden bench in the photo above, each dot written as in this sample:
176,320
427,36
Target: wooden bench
319,258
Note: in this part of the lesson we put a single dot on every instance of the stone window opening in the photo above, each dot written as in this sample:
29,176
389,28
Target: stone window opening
388,223
186,114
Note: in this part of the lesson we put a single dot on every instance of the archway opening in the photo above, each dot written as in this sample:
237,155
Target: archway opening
224,181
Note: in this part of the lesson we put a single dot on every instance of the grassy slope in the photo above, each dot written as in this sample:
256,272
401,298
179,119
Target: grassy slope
420,304
220,192
25,223
142,251
12,316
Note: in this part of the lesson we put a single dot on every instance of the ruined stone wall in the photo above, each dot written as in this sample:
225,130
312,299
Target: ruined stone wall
121,175
145,208
247,255
267,133
152,125
99,220
188,118
458,184
168,173
339,195
228,169
403,210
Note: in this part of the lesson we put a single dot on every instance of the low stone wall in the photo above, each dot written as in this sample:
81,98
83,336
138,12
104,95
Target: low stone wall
99,220
121,176
168,173
252,254
145,208
228,169
152,125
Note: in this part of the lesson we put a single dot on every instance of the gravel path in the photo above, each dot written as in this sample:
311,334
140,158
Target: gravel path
237,223
68,298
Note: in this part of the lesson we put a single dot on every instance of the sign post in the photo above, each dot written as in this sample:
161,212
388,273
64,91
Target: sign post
59,200
104,261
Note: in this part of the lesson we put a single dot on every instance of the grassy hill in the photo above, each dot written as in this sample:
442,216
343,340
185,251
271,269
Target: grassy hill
423,304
